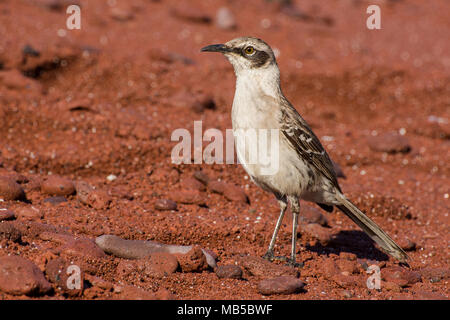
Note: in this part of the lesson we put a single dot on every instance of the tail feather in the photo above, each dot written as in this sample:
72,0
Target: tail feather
372,229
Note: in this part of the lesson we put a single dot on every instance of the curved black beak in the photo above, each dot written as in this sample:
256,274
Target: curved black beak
216,48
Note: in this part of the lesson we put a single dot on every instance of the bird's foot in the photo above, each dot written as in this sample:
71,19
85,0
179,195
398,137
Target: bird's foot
292,263
271,257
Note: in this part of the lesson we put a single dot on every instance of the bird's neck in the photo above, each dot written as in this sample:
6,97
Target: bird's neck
259,82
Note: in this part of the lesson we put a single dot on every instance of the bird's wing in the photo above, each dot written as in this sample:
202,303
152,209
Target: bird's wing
306,144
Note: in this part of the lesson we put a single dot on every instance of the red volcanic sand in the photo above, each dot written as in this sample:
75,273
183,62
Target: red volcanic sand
97,107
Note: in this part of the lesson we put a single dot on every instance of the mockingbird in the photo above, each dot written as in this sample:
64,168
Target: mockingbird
305,171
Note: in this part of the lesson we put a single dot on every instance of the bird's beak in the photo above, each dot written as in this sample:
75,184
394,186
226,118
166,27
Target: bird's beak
216,48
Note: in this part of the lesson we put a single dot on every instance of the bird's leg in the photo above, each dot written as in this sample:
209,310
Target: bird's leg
295,207
283,205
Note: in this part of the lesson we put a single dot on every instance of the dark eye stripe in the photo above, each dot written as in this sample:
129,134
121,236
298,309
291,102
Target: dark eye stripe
259,59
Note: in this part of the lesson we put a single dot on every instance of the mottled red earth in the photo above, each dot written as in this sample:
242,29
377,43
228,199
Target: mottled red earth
96,107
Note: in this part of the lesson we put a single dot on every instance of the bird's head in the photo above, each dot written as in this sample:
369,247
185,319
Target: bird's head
245,53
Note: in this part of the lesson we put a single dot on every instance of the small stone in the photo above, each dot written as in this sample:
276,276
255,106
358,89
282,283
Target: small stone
346,294
84,248
225,19
312,215
391,286
188,197
391,142
201,176
7,215
407,245
322,234
217,186
111,178
156,265
55,200
192,184
59,270
400,276
280,285
229,272
192,261
349,266
99,199
259,267
165,204
9,232
237,194
58,186
20,276
346,280
330,268
29,213
10,190
137,249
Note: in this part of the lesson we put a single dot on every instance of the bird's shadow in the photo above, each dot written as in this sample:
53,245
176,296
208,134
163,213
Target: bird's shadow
351,241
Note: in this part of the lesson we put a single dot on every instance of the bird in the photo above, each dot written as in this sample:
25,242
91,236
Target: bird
305,170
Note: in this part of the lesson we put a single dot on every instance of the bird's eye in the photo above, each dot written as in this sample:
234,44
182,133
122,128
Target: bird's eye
249,50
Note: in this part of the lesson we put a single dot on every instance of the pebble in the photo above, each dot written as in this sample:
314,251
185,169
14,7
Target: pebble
225,19
188,197
407,245
165,204
156,265
7,215
313,215
229,272
192,261
9,232
280,285
10,190
137,249
58,186
83,248
391,142
345,281
201,176
20,276
55,200
97,199
348,266
237,194
217,186
29,213
323,235
401,276
260,267
346,294
57,271
229,191
192,184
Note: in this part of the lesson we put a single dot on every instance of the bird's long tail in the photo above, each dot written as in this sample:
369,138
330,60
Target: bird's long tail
372,229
